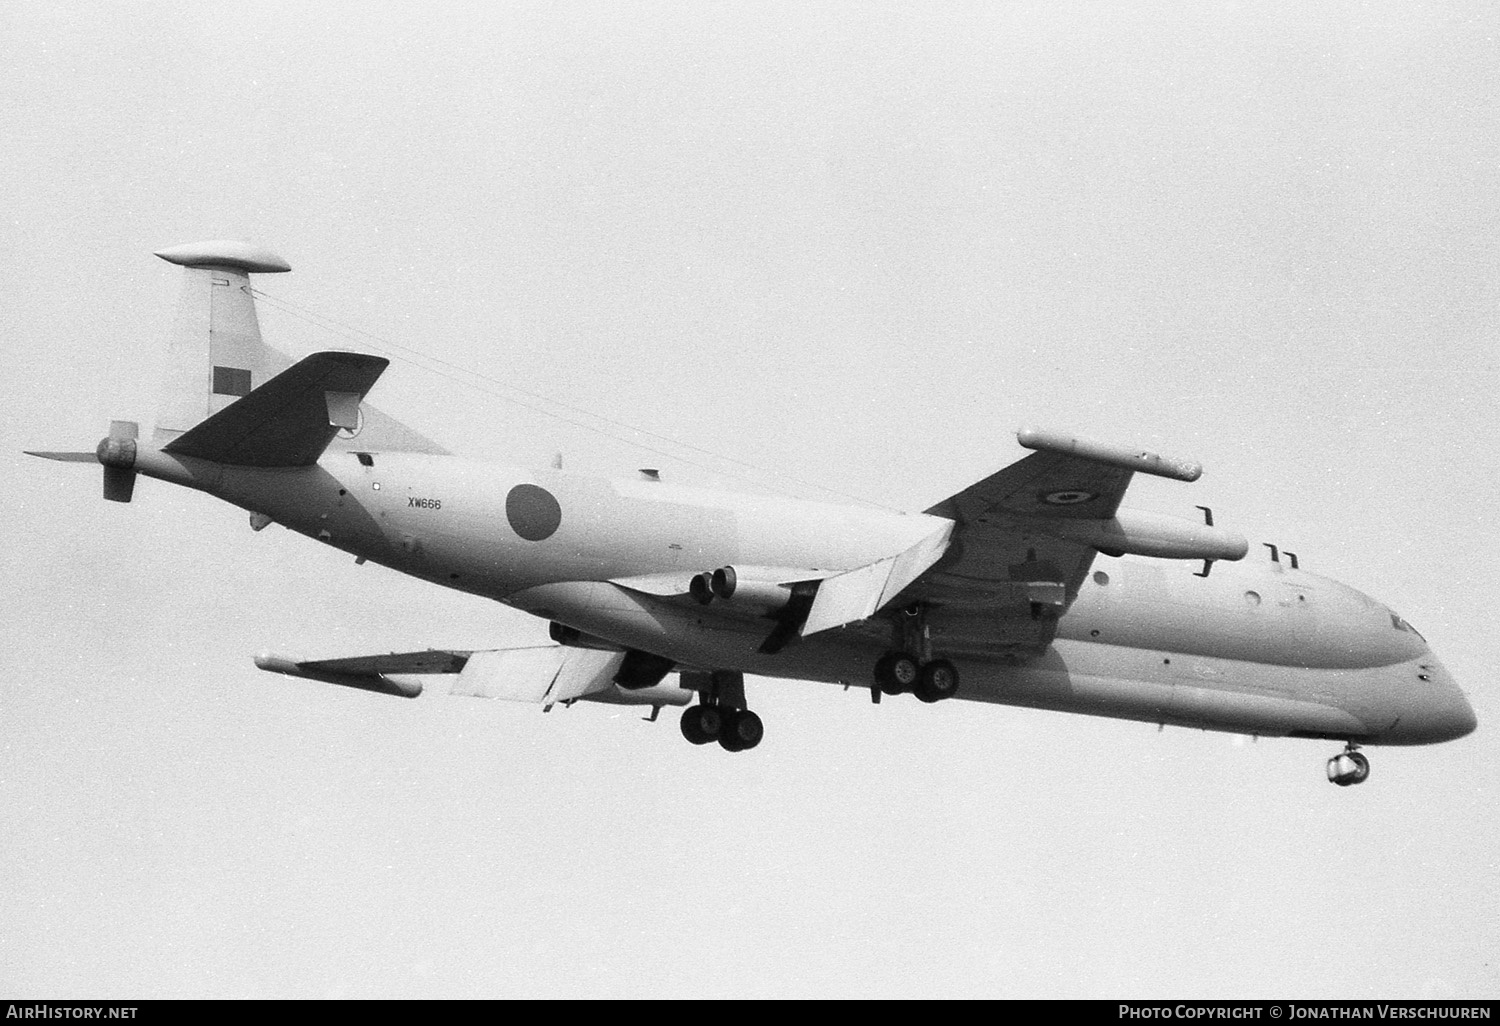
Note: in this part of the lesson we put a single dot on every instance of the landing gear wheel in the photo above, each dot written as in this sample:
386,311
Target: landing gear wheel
742,731
702,723
1348,769
896,672
938,680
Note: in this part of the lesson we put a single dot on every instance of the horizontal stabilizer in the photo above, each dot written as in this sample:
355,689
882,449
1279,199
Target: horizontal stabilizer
288,421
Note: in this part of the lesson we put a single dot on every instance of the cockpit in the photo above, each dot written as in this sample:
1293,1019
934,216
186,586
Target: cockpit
1401,625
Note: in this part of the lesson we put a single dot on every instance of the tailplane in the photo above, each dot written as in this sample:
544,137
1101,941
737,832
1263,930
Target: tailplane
288,421
215,355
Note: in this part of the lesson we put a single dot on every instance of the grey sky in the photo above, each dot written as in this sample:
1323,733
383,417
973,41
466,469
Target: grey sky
854,244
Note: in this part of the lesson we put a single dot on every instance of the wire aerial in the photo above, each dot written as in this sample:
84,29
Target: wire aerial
444,367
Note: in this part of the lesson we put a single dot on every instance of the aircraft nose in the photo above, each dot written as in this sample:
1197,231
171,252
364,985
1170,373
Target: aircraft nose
1461,719
1443,711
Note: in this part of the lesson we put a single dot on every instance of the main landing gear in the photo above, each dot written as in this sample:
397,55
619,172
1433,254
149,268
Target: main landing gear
721,714
901,669
1349,767
899,672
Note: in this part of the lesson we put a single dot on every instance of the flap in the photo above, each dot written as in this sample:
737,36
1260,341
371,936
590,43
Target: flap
677,582
585,671
550,673
860,593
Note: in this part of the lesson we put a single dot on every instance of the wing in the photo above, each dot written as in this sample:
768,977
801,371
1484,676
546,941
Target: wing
543,674
999,581
369,673
1025,538
998,563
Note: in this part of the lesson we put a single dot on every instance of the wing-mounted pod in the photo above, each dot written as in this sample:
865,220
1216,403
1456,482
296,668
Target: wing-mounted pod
1125,531
1120,456
1147,534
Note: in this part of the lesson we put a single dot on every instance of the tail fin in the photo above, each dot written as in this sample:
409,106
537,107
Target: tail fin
215,355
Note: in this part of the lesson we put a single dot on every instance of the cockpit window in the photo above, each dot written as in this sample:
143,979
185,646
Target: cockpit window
1402,625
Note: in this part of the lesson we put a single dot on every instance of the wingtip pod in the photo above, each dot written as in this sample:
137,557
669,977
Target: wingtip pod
1114,455
231,253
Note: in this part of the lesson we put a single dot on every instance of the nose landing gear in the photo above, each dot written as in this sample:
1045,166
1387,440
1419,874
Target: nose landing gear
1349,767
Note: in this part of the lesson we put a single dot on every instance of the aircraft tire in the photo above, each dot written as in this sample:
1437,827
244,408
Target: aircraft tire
702,723
1348,769
742,731
938,680
896,673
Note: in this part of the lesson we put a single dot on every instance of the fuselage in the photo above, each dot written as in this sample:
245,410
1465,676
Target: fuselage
1255,647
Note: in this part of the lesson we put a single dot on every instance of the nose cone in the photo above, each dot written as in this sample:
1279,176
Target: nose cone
1437,709
1461,720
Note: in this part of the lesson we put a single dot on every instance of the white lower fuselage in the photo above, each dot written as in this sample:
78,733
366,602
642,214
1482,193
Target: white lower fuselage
1254,648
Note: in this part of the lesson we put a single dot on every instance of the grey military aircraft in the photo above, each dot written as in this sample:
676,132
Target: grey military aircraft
995,594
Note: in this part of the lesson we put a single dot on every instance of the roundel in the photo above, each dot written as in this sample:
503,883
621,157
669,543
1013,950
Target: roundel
1067,497
359,424
533,512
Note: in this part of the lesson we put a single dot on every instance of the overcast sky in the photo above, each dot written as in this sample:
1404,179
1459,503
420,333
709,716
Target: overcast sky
854,245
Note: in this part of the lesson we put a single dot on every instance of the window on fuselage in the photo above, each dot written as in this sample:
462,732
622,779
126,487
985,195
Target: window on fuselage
1402,625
